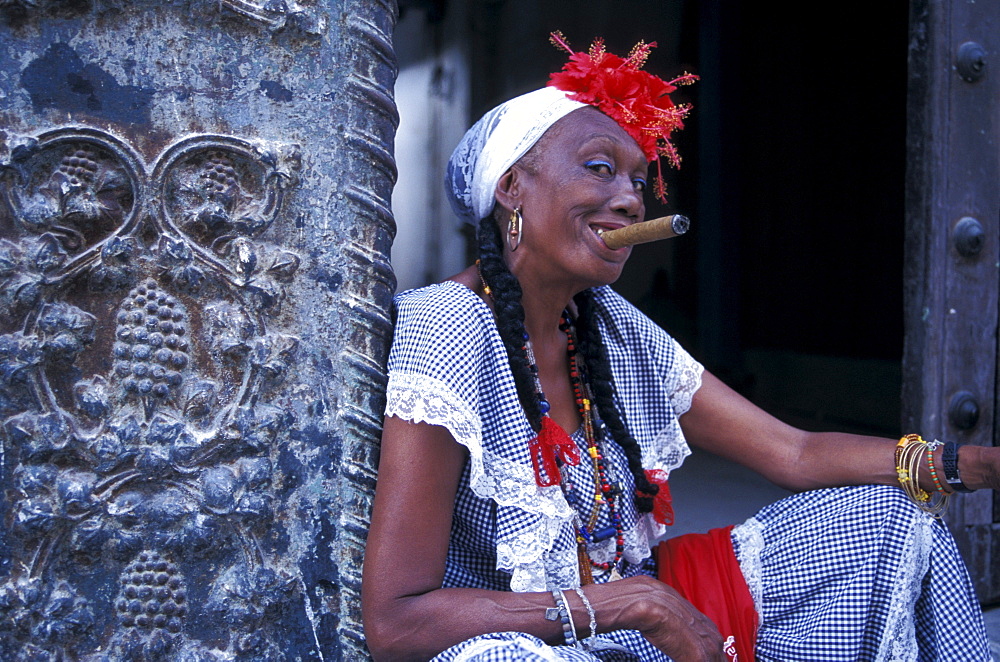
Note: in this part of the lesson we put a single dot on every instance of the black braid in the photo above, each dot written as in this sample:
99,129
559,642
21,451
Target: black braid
510,316
506,291
599,369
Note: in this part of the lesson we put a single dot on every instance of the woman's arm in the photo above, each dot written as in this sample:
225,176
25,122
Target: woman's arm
408,616
725,423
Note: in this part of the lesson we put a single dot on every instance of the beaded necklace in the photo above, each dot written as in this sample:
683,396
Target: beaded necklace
547,460
604,491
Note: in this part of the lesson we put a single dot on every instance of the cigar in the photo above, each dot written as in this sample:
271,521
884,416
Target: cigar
664,227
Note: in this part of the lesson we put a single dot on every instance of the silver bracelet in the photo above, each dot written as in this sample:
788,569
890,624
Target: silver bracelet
590,611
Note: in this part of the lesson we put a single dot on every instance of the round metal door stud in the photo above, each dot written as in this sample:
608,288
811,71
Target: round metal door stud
963,410
971,61
968,236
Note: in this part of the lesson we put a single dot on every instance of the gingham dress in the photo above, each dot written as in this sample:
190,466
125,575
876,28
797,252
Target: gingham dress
841,574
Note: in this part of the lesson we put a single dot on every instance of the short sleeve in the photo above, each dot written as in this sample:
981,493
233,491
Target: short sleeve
448,367
683,379
655,379
436,358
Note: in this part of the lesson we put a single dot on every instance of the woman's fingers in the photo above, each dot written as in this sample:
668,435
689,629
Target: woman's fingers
672,624
687,635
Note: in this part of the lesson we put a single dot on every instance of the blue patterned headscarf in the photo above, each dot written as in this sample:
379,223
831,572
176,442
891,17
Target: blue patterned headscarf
495,143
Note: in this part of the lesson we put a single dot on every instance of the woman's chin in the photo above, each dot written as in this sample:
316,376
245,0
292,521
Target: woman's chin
606,273
612,263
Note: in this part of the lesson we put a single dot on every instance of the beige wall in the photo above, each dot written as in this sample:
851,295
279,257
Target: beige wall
432,94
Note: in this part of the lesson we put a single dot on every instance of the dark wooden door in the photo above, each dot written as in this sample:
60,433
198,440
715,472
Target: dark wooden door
951,261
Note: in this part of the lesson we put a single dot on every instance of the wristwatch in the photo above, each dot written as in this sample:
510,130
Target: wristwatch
949,458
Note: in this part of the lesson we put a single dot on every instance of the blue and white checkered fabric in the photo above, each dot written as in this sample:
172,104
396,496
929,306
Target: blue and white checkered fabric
860,573
520,647
449,367
844,574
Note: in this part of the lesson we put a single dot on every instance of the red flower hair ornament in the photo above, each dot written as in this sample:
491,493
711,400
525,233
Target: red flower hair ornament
637,100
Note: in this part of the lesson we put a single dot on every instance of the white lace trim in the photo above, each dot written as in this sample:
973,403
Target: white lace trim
685,380
421,399
636,549
898,638
562,571
670,448
505,648
526,553
749,538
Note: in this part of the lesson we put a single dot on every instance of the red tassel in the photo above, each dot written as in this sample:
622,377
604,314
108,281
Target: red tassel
663,509
551,442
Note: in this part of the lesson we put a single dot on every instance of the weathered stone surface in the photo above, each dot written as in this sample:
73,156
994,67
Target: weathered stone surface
194,294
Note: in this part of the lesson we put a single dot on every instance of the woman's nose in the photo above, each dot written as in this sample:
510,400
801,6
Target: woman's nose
628,199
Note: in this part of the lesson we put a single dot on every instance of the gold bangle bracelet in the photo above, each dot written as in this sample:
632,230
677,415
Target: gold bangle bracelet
910,451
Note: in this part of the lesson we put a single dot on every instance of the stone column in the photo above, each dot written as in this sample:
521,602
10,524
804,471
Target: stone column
194,294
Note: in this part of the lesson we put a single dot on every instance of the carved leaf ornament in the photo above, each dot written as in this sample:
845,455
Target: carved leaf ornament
305,17
135,372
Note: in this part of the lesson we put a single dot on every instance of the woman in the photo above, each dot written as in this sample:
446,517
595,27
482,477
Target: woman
494,536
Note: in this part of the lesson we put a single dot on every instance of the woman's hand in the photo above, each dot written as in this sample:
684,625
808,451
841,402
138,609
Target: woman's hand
667,620
979,466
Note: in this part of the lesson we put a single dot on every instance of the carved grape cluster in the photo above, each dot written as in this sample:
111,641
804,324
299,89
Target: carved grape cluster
218,174
79,165
152,596
151,350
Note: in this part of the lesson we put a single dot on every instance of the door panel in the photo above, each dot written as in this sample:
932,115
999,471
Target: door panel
952,251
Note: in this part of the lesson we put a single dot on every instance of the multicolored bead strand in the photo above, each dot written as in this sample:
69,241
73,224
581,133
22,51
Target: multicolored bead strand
604,491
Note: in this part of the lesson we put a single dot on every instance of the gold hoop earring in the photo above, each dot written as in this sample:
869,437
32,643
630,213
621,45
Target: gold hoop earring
515,229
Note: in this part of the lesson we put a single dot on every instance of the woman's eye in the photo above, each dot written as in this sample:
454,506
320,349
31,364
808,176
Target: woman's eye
639,183
601,167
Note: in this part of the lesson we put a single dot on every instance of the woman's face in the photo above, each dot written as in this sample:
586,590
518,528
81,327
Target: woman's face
585,174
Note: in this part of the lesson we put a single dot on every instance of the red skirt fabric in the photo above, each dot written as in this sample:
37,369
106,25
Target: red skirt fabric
703,568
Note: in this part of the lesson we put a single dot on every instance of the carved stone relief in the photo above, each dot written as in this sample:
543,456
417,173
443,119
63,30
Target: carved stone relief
275,15
137,373
280,14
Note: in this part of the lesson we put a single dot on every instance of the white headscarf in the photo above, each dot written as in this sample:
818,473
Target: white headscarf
495,143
